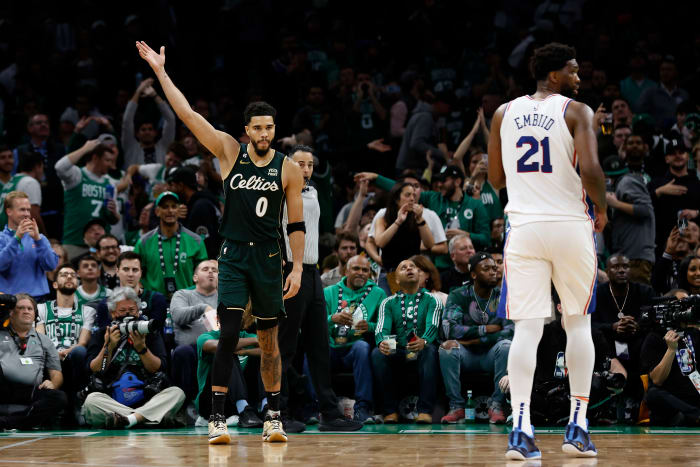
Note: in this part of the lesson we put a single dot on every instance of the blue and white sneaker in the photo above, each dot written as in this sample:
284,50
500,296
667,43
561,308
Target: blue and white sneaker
521,447
577,442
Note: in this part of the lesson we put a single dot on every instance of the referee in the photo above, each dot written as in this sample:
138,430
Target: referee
306,311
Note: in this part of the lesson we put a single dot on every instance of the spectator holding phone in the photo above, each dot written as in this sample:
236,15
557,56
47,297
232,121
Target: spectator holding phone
675,195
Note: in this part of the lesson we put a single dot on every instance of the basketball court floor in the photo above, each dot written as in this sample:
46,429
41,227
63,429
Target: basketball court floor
435,445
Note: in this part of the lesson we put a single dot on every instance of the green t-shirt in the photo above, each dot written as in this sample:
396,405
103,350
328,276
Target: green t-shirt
205,360
192,252
425,320
491,202
102,292
82,203
367,299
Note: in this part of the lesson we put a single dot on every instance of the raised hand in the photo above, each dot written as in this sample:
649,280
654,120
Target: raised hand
370,176
156,61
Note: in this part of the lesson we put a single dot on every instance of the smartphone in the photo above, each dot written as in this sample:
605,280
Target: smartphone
412,336
682,223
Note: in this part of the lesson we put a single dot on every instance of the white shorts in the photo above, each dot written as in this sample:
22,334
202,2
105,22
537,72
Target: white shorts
539,252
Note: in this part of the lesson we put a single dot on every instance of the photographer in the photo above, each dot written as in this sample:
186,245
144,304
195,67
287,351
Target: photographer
136,363
28,397
670,358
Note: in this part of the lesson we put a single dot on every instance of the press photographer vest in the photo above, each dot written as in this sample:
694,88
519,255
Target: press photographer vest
63,331
253,199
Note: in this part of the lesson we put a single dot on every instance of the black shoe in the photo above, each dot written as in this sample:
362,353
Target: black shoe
249,419
339,424
116,421
292,426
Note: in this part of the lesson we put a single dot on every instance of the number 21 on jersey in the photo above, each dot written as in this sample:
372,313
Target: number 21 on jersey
523,165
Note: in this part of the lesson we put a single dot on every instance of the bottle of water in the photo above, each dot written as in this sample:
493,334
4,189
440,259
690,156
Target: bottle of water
168,328
470,409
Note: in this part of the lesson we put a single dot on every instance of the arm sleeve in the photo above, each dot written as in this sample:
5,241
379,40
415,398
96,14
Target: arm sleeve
373,301
432,320
128,135
69,174
481,234
168,134
53,362
89,315
384,323
182,313
48,259
9,249
384,183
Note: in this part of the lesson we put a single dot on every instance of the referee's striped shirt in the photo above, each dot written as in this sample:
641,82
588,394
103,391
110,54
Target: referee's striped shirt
312,213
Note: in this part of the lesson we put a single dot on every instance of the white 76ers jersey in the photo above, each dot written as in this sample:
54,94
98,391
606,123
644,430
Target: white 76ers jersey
540,162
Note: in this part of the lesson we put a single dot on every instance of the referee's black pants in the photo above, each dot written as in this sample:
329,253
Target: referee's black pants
306,311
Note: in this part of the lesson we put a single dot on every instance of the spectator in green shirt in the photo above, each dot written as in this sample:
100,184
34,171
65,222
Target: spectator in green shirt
411,316
169,252
347,329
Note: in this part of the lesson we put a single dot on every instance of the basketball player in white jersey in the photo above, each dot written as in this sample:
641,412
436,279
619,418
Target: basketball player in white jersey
543,149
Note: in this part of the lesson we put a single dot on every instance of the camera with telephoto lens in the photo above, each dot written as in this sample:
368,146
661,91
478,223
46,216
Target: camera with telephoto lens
671,313
605,378
130,324
7,304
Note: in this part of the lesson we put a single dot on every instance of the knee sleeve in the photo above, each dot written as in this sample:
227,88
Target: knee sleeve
263,324
230,323
229,320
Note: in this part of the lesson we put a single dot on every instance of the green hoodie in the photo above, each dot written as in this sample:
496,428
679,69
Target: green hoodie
353,298
426,320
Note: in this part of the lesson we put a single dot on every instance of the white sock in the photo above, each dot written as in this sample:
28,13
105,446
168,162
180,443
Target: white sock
580,359
578,411
522,360
132,420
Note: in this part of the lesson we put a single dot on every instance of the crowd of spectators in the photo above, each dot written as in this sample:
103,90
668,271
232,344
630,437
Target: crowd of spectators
110,207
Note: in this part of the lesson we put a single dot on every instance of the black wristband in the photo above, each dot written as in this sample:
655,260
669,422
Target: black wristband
145,349
421,224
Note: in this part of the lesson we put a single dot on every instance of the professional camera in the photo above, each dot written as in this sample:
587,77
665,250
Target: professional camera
606,379
131,324
671,313
7,304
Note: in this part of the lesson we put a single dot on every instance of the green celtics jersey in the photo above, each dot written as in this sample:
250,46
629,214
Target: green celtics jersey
254,197
83,202
63,331
402,313
6,189
338,297
82,298
491,202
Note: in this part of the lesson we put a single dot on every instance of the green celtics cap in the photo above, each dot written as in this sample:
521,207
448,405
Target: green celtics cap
167,194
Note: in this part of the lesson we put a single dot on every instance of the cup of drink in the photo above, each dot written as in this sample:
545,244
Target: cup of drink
607,125
391,340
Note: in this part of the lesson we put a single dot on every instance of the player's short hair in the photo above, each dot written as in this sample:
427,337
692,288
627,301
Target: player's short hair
258,109
12,196
86,257
300,147
65,266
551,57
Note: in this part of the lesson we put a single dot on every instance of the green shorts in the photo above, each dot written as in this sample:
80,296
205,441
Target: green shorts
252,269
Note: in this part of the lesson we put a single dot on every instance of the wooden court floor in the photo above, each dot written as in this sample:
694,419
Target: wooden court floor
480,445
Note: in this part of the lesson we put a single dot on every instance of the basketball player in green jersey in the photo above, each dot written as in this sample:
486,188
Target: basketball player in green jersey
257,179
